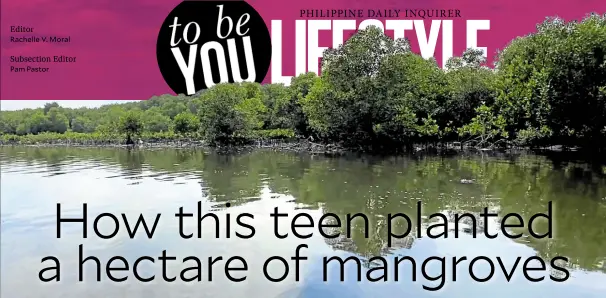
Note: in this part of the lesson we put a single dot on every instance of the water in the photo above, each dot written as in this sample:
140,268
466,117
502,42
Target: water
34,180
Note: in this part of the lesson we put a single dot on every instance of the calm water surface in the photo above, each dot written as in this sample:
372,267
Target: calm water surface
34,180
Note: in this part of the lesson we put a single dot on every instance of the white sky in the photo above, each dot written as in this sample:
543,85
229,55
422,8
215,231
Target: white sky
11,105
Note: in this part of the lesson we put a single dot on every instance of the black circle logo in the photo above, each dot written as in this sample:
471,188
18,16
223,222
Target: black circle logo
204,43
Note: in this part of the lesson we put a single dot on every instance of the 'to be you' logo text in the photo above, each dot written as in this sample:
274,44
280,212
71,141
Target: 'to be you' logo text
203,43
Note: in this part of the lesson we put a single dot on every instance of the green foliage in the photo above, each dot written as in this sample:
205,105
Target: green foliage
57,121
130,124
348,102
485,126
81,138
276,98
299,88
49,106
230,113
186,123
36,124
469,84
553,79
280,133
547,88
154,121
82,124
412,89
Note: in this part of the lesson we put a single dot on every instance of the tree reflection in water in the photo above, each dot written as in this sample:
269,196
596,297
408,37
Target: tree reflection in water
521,183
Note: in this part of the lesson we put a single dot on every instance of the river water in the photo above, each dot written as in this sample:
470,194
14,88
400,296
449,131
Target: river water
147,183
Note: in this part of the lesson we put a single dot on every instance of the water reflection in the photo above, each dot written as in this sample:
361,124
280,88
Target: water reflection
148,182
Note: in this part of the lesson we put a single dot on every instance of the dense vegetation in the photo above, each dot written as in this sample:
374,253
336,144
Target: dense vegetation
547,88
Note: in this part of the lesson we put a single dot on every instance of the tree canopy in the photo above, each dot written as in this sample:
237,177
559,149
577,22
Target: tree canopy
546,88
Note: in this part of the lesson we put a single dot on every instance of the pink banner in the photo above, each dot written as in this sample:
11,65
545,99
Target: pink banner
106,49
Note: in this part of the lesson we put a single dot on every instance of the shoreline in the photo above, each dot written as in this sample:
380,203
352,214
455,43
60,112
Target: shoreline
306,146
286,146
